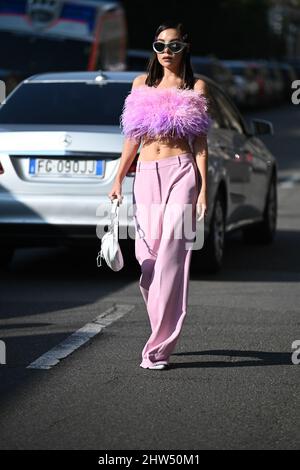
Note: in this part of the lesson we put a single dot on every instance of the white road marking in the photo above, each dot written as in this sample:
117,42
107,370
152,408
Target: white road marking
289,181
287,184
79,337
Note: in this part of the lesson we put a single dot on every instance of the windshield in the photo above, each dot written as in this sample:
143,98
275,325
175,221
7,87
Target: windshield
65,103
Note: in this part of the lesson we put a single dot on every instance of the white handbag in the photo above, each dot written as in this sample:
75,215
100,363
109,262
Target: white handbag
110,248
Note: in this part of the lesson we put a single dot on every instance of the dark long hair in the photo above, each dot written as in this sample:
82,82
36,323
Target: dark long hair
155,69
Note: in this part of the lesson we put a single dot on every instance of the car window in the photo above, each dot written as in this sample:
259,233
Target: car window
65,103
230,118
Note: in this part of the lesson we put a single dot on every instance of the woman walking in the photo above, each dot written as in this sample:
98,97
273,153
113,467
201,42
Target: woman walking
167,111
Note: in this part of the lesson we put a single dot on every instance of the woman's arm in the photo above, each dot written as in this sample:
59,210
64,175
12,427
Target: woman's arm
130,148
201,155
129,151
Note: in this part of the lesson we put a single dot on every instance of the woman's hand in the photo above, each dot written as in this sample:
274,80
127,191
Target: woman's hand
116,192
202,204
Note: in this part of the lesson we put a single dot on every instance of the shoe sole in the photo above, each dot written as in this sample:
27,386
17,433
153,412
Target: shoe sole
158,367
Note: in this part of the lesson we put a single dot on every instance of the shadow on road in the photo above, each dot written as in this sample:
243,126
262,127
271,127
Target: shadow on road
250,359
277,262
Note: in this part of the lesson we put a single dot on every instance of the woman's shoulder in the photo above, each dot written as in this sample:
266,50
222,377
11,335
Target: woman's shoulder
140,80
200,86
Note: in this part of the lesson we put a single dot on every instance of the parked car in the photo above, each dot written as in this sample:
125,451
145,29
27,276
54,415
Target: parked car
213,68
259,72
60,146
245,81
295,63
277,79
289,76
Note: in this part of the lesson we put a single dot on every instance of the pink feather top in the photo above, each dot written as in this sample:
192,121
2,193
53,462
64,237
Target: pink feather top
168,112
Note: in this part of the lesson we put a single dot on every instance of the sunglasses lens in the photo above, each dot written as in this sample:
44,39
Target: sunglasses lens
158,46
176,47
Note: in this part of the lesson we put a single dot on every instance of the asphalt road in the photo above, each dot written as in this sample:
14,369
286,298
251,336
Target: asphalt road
232,384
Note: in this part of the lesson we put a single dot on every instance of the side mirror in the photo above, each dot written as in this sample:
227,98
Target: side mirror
261,126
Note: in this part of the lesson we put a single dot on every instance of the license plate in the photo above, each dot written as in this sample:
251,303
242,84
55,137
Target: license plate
65,167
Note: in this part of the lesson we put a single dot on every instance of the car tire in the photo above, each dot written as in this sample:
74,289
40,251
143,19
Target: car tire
128,252
264,232
6,256
210,257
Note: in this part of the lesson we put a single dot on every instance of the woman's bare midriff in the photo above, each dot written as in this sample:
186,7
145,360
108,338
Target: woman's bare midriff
154,149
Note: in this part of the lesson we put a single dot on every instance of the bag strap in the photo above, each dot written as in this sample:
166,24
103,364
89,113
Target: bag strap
114,224
114,217
114,206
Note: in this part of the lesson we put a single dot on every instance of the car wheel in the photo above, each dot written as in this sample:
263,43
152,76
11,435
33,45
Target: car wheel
6,255
264,232
128,251
212,254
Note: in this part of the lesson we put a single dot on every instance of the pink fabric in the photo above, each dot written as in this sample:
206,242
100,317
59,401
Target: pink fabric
164,112
164,259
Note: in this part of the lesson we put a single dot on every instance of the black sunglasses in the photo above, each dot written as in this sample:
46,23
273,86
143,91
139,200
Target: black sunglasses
173,46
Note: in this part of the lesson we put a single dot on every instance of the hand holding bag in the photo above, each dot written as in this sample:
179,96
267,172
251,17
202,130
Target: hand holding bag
110,248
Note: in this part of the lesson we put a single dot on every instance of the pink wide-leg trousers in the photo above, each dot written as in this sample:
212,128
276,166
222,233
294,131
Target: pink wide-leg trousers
165,193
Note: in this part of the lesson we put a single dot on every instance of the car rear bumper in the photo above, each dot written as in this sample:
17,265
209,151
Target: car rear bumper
42,221
26,235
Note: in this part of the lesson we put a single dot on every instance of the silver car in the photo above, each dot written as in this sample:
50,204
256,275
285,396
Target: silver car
60,146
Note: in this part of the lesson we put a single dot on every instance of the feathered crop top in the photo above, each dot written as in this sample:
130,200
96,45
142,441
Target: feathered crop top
167,112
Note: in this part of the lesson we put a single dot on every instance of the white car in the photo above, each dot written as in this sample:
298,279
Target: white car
60,146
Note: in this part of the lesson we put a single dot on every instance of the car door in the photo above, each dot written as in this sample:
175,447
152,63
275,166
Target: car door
231,142
254,164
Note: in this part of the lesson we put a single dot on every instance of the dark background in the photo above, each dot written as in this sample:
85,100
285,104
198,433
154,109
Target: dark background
225,28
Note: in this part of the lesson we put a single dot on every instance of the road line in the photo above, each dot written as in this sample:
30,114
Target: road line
289,181
80,337
287,184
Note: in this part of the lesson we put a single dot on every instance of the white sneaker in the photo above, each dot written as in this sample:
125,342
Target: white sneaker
158,366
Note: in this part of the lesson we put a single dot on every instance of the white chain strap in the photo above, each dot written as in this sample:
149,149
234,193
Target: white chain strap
114,217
